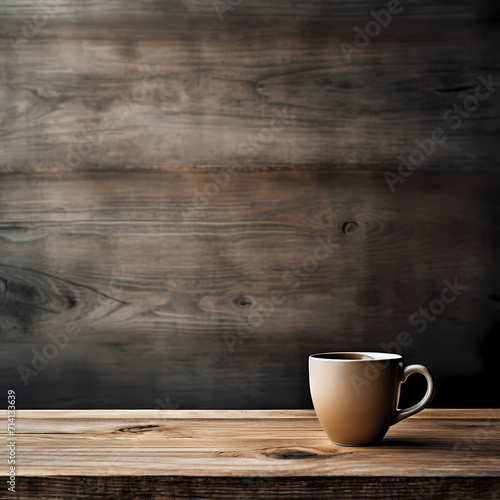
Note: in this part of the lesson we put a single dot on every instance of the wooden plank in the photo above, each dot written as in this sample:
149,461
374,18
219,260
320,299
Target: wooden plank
102,416
223,453
157,444
98,422
216,85
160,292
256,488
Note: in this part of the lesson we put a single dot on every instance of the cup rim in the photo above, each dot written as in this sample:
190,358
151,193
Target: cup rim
374,356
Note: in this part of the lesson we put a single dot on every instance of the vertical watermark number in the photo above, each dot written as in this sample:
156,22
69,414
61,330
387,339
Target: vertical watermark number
11,444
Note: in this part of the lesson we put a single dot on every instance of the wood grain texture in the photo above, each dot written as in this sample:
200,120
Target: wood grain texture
284,454
159,290
160,487
216,85
115,116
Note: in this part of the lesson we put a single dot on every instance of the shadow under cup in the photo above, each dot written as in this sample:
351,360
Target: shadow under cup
355,394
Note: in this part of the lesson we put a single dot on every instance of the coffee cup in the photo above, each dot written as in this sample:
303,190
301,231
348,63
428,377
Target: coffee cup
356,394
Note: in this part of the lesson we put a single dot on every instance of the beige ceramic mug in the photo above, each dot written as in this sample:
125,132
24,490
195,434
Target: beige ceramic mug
356,394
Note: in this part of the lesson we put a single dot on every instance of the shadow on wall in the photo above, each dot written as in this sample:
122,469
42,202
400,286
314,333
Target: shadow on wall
473,388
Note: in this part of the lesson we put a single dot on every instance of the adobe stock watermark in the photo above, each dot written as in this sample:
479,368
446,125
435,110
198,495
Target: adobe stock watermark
293,279
420,319
223,6
250,147
120,110
165,404
255,487
363,38
12,439
91,486
32,25
464,450
59,341
453,117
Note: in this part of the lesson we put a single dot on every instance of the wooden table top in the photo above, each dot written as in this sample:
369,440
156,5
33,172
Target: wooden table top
255,451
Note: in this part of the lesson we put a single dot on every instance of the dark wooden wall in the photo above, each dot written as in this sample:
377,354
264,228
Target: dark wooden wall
116,116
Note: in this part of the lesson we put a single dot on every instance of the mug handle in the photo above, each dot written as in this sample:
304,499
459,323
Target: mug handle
408,412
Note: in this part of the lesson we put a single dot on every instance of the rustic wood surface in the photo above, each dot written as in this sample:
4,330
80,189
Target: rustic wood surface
254,454
218,83
160,291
